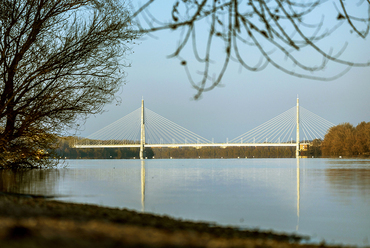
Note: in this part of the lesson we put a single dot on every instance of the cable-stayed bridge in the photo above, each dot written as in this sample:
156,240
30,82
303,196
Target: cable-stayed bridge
144,128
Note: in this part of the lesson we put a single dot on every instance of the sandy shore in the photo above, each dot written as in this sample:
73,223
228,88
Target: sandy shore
31,221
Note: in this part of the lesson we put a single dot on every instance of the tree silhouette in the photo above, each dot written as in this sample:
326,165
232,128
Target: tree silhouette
285,34
59,61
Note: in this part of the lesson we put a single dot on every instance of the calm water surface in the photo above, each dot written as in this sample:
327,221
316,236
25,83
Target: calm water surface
327,199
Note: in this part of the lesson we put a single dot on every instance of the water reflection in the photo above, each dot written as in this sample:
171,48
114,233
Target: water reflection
298,193
142,185
347,162
35,181
345,177
311,196
348,181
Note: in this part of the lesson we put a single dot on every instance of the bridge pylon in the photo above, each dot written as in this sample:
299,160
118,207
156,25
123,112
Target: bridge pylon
142,136
297,136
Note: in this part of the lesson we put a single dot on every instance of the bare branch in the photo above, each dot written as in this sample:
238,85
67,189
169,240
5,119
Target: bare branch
288,28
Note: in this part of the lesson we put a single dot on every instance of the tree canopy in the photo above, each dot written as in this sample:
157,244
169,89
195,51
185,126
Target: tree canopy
60,60
285,34
347,140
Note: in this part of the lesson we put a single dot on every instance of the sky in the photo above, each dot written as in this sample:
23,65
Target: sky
246,100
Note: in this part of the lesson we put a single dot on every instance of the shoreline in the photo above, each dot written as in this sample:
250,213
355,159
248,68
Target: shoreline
37,221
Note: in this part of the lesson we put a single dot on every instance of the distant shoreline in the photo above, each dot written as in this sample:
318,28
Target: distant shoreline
303,157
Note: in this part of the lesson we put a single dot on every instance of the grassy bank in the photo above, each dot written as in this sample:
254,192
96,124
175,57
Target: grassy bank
30,221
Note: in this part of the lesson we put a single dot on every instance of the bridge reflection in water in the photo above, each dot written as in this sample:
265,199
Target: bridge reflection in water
143,174
143,185
298,193
326,197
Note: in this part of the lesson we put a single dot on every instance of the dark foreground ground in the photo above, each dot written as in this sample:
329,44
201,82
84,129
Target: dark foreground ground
30,221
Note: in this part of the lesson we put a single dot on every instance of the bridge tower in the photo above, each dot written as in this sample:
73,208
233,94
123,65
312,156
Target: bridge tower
142,136
297,136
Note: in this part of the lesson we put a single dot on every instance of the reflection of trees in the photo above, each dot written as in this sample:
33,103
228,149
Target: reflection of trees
37,182
349,181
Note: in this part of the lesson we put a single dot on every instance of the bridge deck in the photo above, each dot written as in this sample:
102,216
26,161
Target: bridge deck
223,145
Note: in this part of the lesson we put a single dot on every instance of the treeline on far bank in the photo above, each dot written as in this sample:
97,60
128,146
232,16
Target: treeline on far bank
237,152
227,152
66,150
347,140
341,140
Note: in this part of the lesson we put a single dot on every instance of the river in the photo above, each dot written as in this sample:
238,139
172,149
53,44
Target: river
326,199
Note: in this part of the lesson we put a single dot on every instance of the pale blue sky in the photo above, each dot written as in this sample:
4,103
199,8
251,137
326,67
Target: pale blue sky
247,99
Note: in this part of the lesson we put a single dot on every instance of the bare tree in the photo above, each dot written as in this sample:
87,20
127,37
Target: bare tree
283,32
59,61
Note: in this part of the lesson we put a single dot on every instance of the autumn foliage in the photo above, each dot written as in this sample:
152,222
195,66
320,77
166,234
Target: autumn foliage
347,140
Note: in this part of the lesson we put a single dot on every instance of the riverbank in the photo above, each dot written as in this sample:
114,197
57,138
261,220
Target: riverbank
32,221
